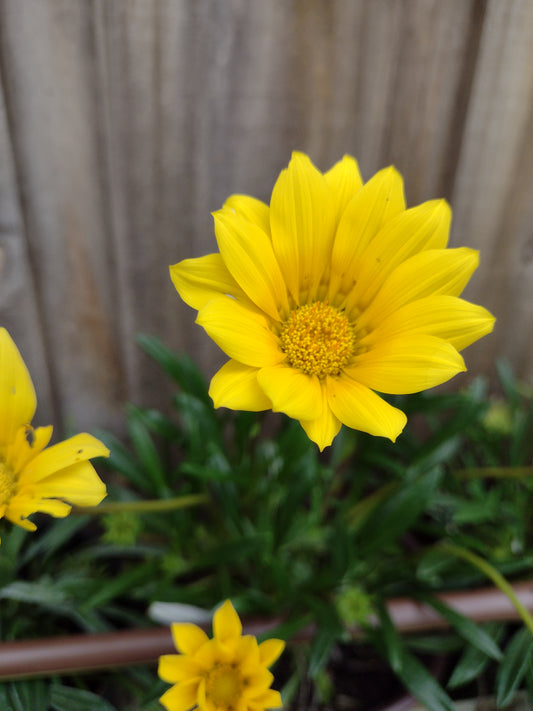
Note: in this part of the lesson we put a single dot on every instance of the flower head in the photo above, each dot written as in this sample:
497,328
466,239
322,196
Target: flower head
332,294
33,478
226,673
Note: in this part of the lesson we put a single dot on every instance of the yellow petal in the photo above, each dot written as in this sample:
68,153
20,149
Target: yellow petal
247,252
413,231
259,680
251,209
17,395
454,320
180,697
269,699
429,273
71,451
407,364
18,509
178,667
246,653
361,409
292,392
270,650
226,623
53,507
242,332
301,220
235,386
323,429
78,484
19,518
344,180
27,445
188,638
199,280
380,199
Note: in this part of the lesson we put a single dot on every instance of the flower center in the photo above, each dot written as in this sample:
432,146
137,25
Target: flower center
223,686
318,339
7,483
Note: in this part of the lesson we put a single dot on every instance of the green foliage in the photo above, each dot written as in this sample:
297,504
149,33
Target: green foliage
290,533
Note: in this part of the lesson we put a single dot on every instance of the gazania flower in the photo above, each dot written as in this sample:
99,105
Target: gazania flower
226,673
332,294
33,478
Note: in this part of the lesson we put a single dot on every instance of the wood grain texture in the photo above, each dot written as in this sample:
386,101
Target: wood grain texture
127,122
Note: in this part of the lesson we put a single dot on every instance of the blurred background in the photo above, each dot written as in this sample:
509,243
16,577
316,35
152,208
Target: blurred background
124,123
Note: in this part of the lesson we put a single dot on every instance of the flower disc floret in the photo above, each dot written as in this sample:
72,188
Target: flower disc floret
331,294
317,339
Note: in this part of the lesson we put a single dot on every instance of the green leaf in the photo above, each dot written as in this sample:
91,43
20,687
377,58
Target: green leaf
330,630
514,665
146,451
25,695
50,541
42,592
468,630
66,698
180,367
398,512
423,686
409,670
393,645
472,662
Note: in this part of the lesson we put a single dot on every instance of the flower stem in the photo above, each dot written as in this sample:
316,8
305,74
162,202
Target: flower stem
497,578
495,472
152,506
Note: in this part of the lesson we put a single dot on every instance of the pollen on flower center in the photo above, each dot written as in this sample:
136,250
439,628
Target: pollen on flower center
7,483
318,339
223,686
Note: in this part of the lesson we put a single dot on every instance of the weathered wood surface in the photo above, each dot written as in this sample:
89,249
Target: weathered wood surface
124,123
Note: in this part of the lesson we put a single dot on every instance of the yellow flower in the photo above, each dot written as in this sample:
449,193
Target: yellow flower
226,673
331,293
33,478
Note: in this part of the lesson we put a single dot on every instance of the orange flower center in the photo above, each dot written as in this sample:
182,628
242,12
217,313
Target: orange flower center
318,339
7,483
223,686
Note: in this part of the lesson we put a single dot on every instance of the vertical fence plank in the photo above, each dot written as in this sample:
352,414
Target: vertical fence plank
19,312
492,196
47,67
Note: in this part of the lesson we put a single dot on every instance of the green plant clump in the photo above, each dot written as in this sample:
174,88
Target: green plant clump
206,505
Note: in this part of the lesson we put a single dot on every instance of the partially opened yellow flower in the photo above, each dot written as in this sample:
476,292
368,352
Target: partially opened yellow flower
226,673
33,478
332,294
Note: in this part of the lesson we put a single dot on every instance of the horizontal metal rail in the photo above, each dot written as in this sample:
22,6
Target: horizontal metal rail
91,652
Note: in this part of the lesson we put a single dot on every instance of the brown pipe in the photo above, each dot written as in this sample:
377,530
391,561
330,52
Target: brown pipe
91,652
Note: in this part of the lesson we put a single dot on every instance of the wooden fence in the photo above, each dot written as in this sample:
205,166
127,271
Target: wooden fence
124,123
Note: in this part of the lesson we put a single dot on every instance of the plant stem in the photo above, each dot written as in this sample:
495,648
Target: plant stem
497,578
152,506
495,472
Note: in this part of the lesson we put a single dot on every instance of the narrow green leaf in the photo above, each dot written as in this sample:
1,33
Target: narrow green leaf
468,630
398,512
472,662
28,694
410,671
66,698
423,686
393,644
330,630
180,367
147,452
514,665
